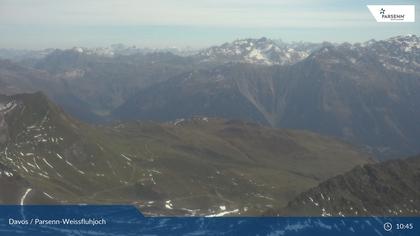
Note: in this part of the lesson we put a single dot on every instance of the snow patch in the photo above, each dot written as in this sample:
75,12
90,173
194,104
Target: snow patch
168,204
223,213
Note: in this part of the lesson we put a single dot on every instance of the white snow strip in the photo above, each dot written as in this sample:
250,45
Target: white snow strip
223,213
48,164
44,175
36,164
8,174
31,165
127,158
25,168
178,121
68,163
31,127
22,200
153,180
49,196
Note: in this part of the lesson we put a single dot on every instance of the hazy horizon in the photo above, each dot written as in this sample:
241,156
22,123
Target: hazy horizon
30,24
187,47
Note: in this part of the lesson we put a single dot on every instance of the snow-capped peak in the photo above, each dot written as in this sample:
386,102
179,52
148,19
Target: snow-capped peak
78,49
256,51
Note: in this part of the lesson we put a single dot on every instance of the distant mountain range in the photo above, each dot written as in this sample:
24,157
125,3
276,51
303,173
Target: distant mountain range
364,93
199,166
111,51
259,51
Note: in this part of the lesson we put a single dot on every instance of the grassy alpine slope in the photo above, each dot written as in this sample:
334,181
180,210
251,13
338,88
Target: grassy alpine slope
197,166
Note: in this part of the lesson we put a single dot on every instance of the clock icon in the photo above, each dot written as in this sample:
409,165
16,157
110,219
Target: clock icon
387,226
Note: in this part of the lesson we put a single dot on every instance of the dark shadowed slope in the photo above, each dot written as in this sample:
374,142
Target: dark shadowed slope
391,188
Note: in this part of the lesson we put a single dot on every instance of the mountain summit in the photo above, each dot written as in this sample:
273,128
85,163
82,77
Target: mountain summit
257,51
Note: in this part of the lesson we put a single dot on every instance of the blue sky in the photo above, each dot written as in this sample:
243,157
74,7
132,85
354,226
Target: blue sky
197,23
